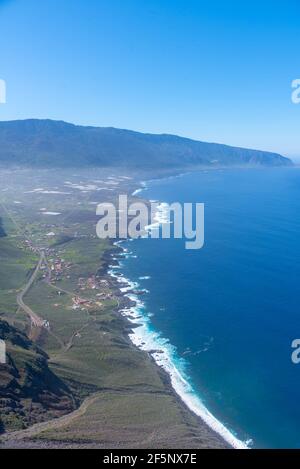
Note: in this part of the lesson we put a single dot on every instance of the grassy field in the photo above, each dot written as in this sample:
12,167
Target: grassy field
132,403
124,399
15,268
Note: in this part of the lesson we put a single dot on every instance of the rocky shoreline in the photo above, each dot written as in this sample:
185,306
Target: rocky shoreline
115,373
111,260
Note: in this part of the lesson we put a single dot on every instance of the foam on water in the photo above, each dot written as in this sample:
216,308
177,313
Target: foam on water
51,213
137,191
165,355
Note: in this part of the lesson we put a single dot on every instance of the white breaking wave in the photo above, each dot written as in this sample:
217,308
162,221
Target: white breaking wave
137,191
165,356
140,189
51,213
161,217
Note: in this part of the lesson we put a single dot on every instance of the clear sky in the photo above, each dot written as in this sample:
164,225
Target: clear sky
212,70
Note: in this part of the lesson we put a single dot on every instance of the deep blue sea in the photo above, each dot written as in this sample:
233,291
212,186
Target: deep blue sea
229,311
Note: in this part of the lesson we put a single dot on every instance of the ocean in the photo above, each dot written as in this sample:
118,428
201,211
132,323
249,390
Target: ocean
224,316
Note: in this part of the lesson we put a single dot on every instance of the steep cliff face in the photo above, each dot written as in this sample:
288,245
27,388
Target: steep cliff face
29,391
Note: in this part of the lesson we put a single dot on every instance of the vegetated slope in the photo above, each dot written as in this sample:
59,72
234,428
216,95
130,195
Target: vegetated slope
29,391
47,143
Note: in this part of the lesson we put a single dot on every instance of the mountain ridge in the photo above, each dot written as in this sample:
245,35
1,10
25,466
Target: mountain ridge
50,143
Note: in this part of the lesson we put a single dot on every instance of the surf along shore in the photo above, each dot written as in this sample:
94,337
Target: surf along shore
138,409
124,397
158,349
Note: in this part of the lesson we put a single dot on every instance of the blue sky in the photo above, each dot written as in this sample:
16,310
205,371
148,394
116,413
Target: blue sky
216,71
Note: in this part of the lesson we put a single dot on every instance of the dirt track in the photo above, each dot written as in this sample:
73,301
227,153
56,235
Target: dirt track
36,321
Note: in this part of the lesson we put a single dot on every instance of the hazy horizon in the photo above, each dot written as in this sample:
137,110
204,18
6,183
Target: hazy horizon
215,73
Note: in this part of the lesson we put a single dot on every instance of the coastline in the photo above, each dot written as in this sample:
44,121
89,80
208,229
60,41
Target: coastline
159,349
179,424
